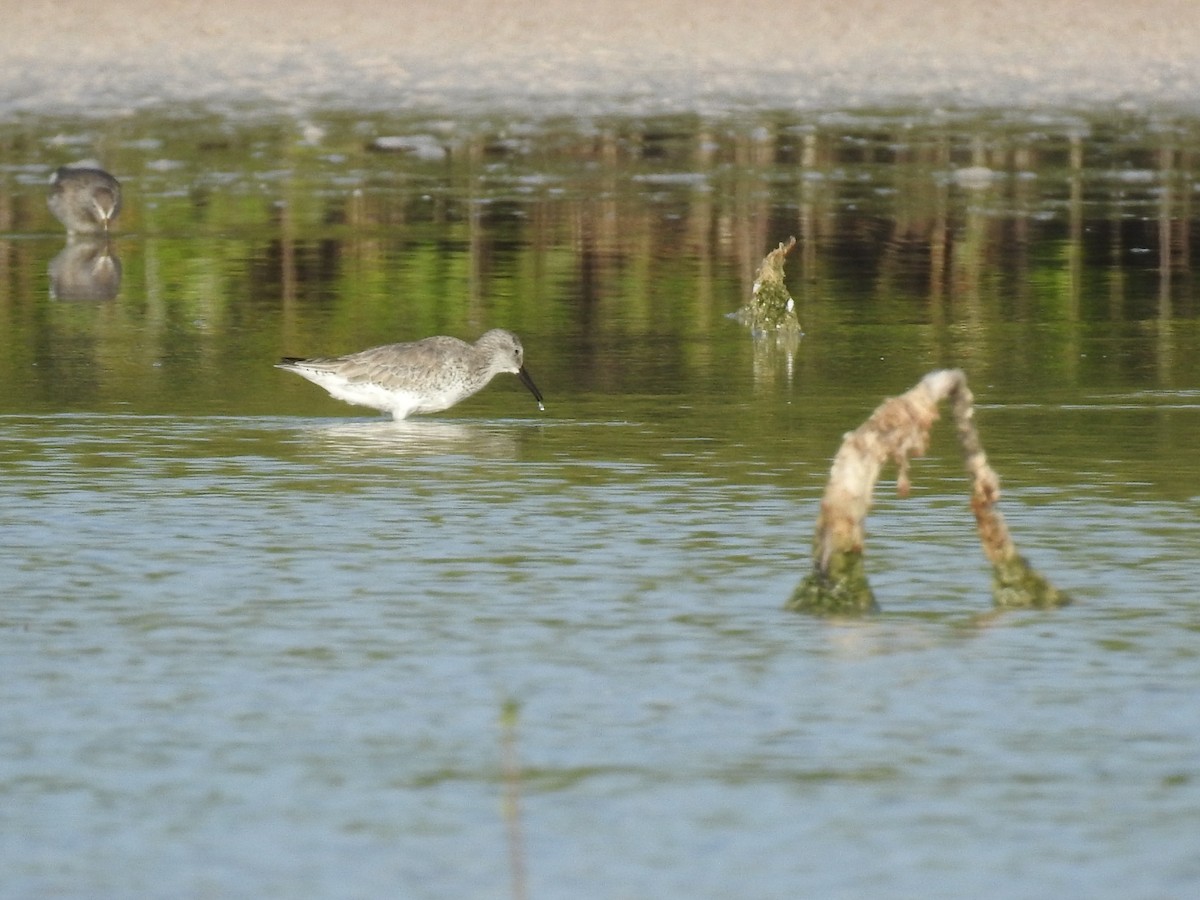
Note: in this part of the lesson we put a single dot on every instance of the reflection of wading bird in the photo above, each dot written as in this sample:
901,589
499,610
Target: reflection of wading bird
85,269
84,199
422,377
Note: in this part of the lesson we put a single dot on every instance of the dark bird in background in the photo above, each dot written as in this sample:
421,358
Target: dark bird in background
84,199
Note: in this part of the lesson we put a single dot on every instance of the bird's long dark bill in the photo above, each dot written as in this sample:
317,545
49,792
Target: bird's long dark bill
528,382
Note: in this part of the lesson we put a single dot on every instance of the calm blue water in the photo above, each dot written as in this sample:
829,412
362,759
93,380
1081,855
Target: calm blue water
267,657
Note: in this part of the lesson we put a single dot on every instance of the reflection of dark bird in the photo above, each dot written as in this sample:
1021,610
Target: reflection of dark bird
421,377
86,200
85,269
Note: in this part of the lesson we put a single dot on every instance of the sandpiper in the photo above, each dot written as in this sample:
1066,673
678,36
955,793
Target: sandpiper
83,198
420,377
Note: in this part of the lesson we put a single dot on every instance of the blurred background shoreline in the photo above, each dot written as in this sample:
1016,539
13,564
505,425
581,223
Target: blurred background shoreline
562,57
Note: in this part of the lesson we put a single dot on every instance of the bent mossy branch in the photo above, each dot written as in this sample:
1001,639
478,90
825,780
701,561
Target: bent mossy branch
898,430
771,308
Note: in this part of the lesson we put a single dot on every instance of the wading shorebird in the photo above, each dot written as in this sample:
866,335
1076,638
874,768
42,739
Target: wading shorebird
420,377
84,199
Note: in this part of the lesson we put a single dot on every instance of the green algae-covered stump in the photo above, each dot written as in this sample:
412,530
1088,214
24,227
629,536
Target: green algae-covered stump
898,431
771,309
842,590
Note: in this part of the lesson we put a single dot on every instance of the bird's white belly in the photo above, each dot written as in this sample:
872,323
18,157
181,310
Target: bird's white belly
397,402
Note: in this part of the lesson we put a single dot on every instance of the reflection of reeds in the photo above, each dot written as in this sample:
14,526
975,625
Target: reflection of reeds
624,227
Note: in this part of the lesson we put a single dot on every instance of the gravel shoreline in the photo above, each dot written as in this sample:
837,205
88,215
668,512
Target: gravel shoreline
558,56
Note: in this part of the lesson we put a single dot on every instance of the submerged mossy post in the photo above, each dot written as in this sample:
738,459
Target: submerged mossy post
771,309
512,797
1015,584
897,431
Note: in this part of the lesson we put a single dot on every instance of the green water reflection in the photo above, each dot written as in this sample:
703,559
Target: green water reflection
1050,257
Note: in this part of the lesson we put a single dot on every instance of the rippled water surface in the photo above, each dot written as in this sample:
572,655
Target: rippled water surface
255,642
